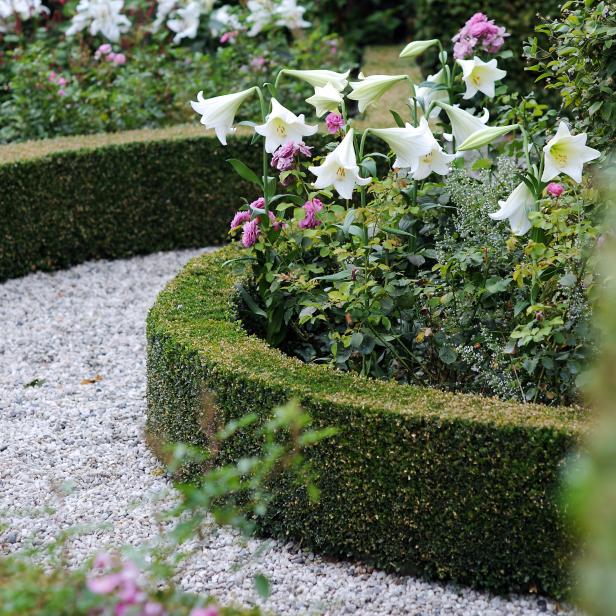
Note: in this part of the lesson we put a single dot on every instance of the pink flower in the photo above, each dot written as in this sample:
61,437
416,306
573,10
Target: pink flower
334,122
478,29
275,223
111,57
119,59
105,584
284,157
310,220
105,48
239,219
103,560
229,37
205,611
258,204
61,92
52,76
250,233
257,63
152,609
61,81
555,190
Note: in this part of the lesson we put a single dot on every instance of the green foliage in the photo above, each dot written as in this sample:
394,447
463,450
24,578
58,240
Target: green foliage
153,88
575,55
416,480
71,206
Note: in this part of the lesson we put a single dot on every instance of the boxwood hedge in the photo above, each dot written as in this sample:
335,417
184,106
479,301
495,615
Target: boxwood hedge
67,200
417,480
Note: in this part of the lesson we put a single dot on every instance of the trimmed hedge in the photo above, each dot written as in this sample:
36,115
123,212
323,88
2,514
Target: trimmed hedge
69,200
420,481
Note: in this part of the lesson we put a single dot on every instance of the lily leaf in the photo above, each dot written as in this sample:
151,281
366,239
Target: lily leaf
245,172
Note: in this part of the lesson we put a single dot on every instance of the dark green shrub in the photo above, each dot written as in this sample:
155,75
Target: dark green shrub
575,55
417,480
169,191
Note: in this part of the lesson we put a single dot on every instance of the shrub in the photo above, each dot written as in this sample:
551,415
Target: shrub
575,55
164,190
416,480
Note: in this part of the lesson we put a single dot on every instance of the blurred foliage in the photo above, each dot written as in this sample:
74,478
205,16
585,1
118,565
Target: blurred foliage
592,480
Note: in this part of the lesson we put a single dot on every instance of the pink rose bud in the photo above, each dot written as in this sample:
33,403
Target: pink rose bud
555,190
119,59
105,48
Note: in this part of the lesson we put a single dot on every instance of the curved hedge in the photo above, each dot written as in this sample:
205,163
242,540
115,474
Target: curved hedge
68,200
420,481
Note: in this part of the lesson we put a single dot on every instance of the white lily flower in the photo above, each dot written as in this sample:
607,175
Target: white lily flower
163,9
516,209
427,94
223,20
261,15
408,143
320,78
370,89
219,112
340,169
325,99
290,15
100,16
480,76
185,22
567,153
463,123
435,161
283,126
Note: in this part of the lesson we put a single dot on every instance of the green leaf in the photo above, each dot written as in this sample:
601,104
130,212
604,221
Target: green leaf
397,118
262,585
245,172
343,275
447,355
251,303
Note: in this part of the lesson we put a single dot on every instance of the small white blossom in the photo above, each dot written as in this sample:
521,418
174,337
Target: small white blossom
516,209
223,20
283,126
290,15
480,76
566,153
340,169
100,16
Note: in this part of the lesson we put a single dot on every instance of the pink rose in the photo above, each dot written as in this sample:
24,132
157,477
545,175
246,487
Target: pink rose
555,190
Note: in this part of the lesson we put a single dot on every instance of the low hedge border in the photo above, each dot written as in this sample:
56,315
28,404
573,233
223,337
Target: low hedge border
452,487
68,200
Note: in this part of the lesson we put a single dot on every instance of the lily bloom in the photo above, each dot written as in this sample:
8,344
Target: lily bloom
480,76
370,89
567,153
325,99
340,169
219,112
320,78
516,209
463,124
408,143
283,126
435,161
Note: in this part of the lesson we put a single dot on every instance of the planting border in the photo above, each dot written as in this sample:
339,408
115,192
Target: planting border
453,487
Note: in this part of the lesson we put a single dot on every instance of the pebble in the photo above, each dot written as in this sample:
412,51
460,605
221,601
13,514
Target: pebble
72,392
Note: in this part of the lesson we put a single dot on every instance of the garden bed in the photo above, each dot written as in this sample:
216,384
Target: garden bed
453,487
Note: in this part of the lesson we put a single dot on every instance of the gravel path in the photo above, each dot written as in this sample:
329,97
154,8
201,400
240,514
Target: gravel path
72,384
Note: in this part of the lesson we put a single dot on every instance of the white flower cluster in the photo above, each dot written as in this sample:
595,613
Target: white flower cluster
185,18
10,10
100,16
418,153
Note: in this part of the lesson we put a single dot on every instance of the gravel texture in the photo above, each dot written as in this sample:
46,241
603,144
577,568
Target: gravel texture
72,386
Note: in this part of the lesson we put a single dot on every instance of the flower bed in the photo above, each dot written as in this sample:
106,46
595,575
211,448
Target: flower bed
420,481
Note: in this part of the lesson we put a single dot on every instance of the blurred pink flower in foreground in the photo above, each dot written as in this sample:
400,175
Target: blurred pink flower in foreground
310,220
205,611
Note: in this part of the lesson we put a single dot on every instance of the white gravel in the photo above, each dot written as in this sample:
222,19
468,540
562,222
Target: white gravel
72,386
